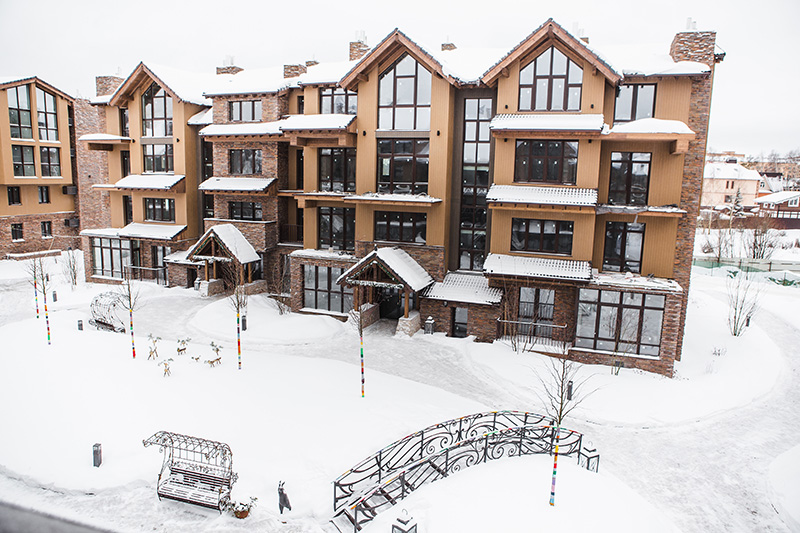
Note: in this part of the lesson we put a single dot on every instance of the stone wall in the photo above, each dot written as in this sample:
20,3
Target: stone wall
296,267
431,258
481,319
273,106
261,235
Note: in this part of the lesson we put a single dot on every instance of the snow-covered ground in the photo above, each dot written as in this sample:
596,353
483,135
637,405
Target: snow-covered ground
713,449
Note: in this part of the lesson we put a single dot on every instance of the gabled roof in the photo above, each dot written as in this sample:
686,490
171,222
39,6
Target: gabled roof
396,263
778,197
183,86
552,31
13,81
233,245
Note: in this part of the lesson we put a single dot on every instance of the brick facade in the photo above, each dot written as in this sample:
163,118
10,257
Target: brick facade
296,267
431,258
95,205
481,319
273,106
32,240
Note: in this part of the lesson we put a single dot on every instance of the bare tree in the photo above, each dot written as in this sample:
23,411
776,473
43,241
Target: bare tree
129,294
238,300
743,296
278,285
70,267
562,388
760,241
39,278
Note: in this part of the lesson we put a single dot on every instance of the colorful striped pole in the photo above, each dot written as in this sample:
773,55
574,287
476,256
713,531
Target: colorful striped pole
133,346
46,317
36,299
362,365
238,340
555,467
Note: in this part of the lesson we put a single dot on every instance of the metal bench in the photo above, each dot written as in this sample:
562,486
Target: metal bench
195,470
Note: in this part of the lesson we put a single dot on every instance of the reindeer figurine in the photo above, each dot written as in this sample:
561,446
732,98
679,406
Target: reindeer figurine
154,347
165,364
283,499
214,362
182,345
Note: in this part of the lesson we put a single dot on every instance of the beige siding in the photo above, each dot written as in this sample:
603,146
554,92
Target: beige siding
666,171
583,231
660,234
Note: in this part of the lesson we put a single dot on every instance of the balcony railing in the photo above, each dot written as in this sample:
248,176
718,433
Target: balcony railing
292,233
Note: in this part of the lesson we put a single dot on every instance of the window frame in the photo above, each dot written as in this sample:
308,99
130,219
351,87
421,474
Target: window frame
44,194
150,119
312,287
347,158
50,161
159,209
330,216
251,211
420,152
475,182
524,225
14,195
236,110
620,263
533,86
18,124
47,115
634,103
119,253
47,229
27,165
627,162
388,106
401,219
238,158
542,306
167,159
328,97
17,232
525,170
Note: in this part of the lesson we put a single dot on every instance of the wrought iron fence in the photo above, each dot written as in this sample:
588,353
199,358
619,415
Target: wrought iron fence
157,274
527,335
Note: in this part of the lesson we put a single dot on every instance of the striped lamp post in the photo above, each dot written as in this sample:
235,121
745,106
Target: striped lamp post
555,468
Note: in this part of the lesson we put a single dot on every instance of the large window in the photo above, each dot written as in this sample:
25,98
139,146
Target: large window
546,161
635,102
47,115
547,236
124,123
14,195
51,161
157,112
110,257
158,157
403,166
551,82
245,162
624,245
404,96
245,111
337,228
630,178
24,164
320,290
16,232
245,210
338,100
44,194
623,322
400,227
536,307
337,169
47,229
159,209
474,183
19,112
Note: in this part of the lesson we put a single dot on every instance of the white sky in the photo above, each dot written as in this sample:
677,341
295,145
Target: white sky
67,43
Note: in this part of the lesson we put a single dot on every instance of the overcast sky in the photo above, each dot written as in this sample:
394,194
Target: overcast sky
754,105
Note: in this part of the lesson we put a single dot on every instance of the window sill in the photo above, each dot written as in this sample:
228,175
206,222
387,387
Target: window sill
17,240
26,177
402,134
49,142
18,139
618,354
146,221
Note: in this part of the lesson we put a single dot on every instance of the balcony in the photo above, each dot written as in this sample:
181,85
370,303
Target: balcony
291,233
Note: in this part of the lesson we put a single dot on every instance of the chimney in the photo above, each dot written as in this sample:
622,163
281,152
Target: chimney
446,47
228,66
358,48
107,84
311,63
292,71
697,46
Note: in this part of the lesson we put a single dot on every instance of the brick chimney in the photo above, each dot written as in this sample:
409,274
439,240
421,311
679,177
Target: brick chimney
229,69
107,84
448,46
292,71
695,46
358,49
311,63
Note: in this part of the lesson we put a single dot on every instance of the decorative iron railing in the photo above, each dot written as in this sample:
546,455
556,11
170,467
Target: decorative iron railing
507,442
532,336
157,274
424,443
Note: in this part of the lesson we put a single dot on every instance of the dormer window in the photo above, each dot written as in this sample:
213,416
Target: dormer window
404,99
635,102
156,112
551,82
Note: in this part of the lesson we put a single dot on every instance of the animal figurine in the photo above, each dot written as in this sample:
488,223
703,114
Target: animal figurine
283,499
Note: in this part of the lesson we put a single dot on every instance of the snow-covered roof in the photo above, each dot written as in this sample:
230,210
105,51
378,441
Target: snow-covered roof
649,59
467,65
249,81
729,171
636,209
326,73
652,125
548,122
523,194
778,197
466,288
324,254
634,281
772,184
328,121
179,257
203,118
14,78
396,197
160,232
236,184
101,232
100,137
537,267
188,86
101,100
149,181
233,240
398,261
243,128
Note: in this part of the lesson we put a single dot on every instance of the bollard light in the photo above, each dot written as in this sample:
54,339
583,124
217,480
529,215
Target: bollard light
429,325
55,297
569,390
80,325
244,323
404,524
97,454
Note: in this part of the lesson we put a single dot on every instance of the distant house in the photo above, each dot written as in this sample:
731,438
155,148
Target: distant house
721,180
784,206
771,182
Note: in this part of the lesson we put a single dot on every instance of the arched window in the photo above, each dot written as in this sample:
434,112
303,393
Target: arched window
551,82
404,99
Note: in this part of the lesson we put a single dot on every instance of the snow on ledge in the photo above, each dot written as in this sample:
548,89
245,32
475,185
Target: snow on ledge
161,232
149,181
634,281
203,118
98,137
236,184
550,122
328,121
526,194
652,125
537,267
396,197
243,128
337,255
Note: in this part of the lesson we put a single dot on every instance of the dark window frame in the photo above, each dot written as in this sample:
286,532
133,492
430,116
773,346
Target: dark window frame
330,96
238,109
536,76
50,161
539,242
17,233
621,232
44,194
124,122
47,115
342,176
22,128
154,122
420,105
239,158
47,229
156,162
419,153
324,291
555,153
159,209
327,220
14,195
245,211
634,103
622,186
539,310
389,224
109,256
24,166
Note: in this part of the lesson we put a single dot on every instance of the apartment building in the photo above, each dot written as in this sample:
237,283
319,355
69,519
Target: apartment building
37,138
547,194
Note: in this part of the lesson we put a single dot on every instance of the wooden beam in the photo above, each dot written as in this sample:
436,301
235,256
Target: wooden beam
405,312
362,77
680,146
356,303
504,72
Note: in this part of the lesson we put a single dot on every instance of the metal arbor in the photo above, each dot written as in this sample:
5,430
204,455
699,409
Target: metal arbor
106,308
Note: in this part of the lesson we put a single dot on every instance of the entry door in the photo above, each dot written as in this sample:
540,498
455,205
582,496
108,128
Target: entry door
460,318
391,303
